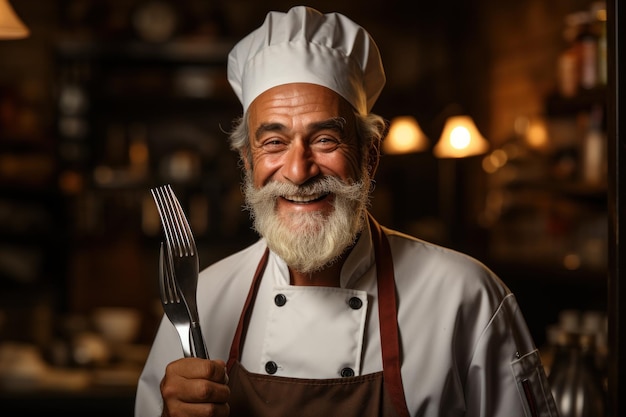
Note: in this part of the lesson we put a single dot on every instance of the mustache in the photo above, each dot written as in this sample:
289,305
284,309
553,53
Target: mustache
319,186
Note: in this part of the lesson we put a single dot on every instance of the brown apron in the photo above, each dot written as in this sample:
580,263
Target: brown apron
377,394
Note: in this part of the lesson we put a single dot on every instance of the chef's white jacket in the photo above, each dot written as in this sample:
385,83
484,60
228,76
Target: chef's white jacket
466,349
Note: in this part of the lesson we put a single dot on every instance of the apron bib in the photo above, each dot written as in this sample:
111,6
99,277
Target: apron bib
372,395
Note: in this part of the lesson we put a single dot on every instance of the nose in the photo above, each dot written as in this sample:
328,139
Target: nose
300,165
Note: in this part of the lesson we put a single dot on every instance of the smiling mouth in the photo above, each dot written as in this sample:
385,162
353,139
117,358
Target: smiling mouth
303,199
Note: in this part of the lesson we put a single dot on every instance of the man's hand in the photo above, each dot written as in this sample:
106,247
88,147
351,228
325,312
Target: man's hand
195,387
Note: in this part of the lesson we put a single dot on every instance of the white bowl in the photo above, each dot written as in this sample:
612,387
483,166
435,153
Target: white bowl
117,324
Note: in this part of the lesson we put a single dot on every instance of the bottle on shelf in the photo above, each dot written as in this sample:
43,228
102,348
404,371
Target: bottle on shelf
598,14
575,380
594,149
587,44
568,61
582,64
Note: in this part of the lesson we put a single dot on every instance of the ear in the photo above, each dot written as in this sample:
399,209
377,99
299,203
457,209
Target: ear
373,158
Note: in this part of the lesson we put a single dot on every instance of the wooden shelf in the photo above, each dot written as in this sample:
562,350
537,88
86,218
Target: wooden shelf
557,105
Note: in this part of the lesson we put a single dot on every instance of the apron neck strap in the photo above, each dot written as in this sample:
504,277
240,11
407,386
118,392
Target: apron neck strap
388,317
235,347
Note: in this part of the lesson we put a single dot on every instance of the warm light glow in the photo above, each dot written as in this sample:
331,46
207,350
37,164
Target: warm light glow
571,261
533,131
460,139
494,161
537,134
11,27
405,136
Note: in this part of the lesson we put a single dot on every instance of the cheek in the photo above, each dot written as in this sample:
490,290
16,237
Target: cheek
262,169
352,164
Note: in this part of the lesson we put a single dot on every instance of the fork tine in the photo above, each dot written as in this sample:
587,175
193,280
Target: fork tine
180,229
172,286
171,203
168,219
163,291
163,213
168,289
182,224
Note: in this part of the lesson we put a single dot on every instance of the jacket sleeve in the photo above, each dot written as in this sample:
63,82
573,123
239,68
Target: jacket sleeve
506,377
165,349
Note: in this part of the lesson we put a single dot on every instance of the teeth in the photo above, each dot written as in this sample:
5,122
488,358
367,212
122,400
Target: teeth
303,198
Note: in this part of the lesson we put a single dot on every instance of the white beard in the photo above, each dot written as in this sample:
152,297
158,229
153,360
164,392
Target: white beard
309,241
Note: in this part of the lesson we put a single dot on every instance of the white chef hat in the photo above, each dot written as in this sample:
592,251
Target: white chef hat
306,46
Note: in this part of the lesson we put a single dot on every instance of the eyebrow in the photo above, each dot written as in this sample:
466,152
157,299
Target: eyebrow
334,123
269,127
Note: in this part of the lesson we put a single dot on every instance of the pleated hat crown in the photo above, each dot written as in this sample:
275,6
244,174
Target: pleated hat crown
306,46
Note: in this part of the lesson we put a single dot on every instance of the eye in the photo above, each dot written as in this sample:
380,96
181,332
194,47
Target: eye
326,142
273,144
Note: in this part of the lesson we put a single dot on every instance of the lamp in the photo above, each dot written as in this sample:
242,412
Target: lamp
460,138
11,27
405,136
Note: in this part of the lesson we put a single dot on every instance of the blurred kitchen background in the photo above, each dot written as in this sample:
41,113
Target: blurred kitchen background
108,98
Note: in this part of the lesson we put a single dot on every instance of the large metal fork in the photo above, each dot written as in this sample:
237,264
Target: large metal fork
182,253
173,304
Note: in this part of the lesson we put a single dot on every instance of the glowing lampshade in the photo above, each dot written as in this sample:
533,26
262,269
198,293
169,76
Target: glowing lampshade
460,139
405,136
11,27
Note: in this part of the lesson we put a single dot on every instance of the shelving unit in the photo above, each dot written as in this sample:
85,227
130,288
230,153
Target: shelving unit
134,115
32,224
549,233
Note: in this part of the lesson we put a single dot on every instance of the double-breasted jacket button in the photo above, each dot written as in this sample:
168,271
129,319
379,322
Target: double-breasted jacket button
271,367
280,300
347,372
355,303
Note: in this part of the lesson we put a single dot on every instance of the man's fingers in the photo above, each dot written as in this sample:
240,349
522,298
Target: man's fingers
216,371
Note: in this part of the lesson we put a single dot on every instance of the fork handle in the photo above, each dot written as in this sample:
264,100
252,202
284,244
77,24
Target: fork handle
199,347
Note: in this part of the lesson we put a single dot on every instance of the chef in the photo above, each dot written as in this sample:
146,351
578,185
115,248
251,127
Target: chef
329,313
